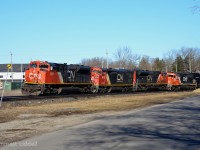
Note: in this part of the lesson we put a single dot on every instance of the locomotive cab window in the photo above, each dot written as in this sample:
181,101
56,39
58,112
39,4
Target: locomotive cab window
33,65
97,71
54,67
172,76
44,66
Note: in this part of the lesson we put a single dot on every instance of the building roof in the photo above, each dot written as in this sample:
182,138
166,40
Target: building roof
16,67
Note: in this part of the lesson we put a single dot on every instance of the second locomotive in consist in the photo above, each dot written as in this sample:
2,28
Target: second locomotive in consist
44,77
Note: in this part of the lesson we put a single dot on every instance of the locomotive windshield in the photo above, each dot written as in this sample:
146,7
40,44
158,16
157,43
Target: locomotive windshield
43,66
172,76
97,71
33,65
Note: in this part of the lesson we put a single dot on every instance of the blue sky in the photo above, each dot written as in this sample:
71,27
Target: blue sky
70,30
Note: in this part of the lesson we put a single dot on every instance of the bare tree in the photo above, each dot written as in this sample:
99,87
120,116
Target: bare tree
135,60
169,59
196,67
182,60
123,57
94,62
191,59
145,63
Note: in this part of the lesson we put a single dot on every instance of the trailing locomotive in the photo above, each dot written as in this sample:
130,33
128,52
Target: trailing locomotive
177,81
146,80
44,77
119,79
196,76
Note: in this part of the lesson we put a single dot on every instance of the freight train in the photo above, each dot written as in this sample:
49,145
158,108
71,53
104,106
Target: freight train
44,77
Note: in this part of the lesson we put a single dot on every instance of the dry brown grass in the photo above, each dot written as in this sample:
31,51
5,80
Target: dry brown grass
11,93
108,103
7,115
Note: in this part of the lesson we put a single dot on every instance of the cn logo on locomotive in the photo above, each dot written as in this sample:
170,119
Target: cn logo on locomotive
34,75
185,79
120,77
71,75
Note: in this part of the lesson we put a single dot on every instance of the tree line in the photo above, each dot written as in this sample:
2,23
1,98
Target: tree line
182,60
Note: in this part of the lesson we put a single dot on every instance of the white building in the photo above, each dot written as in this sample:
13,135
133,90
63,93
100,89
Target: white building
12,76
16,76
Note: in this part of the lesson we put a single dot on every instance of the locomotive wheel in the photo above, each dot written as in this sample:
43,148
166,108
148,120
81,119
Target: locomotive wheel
37,93
123,90
85,90
109,89
94,89
59,90
103,90
173,88
82,90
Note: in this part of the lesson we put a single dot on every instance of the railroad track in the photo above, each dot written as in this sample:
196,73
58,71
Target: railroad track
46,97
70,96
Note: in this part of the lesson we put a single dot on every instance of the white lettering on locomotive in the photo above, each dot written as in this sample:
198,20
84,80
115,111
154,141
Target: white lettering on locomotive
185,79
149,78
34,75
71,75
120,77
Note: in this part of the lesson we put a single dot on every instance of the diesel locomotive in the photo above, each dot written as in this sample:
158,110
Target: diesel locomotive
44,77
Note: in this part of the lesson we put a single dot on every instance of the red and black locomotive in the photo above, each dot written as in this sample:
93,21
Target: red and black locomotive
44,77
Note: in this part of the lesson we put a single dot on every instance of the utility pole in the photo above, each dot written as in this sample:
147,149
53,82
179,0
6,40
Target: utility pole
190,60
176,67
21,74
107,58
11,65
102,61
190,63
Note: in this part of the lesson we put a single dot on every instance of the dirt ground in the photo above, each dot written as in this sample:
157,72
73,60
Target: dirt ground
28,125
28,121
